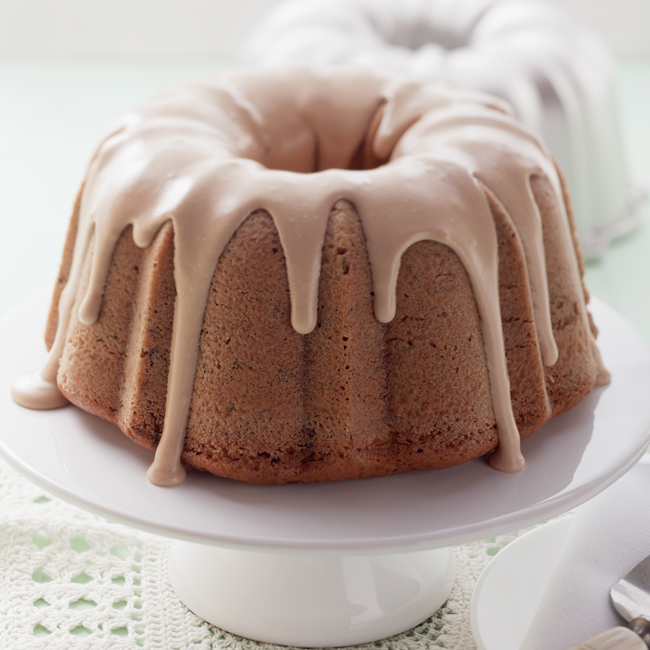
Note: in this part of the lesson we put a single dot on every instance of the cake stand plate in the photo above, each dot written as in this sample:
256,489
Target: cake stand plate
325,564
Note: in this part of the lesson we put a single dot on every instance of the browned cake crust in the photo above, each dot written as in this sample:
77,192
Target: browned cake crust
354,398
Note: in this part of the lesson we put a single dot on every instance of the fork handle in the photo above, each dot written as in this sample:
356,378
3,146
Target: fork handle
618,638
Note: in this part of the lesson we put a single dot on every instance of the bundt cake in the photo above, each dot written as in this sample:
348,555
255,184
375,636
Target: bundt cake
318,274
558,76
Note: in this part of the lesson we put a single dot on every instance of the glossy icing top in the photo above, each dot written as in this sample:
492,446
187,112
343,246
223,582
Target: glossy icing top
411,158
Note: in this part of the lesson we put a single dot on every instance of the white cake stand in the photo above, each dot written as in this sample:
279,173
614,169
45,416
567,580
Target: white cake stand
325,564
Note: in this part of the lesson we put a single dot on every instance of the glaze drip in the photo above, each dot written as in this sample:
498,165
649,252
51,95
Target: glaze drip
205,156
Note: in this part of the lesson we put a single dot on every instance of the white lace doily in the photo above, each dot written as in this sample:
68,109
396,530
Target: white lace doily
70,579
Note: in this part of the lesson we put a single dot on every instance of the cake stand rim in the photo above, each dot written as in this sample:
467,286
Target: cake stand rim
554,506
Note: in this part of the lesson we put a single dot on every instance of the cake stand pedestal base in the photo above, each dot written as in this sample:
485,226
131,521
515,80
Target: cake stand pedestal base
310,600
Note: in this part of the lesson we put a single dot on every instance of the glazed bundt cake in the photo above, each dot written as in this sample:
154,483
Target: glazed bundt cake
319,274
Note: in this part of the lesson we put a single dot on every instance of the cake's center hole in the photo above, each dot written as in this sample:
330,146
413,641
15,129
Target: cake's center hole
307,151
422,34
415,32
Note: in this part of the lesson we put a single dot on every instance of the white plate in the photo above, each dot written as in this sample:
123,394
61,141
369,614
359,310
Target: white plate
92,464
511,587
